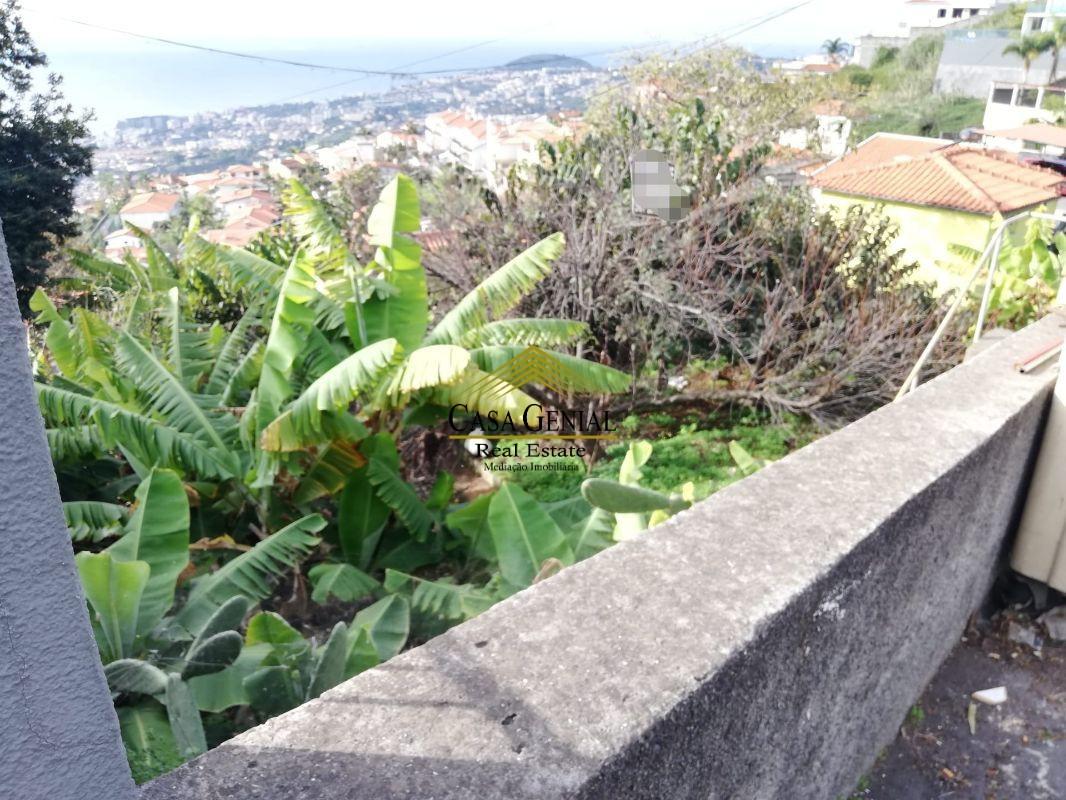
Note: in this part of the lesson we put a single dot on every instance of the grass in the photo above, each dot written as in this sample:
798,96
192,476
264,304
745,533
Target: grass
916,715
931,116
896,94
685,453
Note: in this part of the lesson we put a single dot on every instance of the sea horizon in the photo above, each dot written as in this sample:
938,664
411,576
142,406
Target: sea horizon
163,80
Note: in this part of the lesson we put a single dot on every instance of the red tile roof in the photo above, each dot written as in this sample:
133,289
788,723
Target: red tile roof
259,195
931,173
458,119
1039,132
827,68
150,203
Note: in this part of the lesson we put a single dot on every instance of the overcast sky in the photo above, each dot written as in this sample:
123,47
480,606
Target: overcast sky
273,23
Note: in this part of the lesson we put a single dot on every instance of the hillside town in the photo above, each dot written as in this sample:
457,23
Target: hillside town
687,421
961,183
539,84
245,195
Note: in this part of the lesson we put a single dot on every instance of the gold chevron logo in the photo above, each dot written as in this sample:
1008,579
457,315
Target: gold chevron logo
532,365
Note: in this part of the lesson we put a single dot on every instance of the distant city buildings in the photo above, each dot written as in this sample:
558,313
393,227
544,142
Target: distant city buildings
489,146
207,141
938,13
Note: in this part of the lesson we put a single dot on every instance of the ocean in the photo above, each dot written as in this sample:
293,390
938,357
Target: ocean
162,79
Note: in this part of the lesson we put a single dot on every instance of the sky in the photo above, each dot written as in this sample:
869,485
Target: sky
119,76
275,24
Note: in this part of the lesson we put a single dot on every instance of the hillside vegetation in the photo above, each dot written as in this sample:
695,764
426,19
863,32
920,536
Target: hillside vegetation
896,94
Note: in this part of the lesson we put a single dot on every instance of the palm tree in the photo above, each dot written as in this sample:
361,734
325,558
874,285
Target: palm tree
1055,40
835,49
1028,48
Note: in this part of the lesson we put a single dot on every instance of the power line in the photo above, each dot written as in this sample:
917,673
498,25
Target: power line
698,45
400,67
393,73
221,51
399,71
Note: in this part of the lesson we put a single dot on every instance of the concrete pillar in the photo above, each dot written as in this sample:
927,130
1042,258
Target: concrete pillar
59,737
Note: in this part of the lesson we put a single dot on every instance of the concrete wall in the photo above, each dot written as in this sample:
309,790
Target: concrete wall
764,644
969,66
59,737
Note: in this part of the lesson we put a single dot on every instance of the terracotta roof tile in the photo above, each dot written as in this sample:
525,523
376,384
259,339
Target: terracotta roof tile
150,203
954,176
1039,132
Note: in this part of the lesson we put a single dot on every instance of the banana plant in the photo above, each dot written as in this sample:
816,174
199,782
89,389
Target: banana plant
293,670
510,541
339,337
150,655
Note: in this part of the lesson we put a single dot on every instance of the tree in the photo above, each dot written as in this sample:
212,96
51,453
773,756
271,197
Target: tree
43,152
1028,48
835,49
199,207
1056,40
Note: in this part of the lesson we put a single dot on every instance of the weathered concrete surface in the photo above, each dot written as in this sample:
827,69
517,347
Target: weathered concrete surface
1019,750
59,736
765,644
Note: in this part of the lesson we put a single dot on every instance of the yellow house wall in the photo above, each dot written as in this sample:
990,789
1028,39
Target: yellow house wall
925,234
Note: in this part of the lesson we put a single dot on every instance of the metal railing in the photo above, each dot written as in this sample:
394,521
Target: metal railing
990,254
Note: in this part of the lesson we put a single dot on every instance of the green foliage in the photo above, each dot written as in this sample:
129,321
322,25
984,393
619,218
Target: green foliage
896,94
1028,276
291,670
290,402
524,537
634,507
148,658
342,581
931,117
1029,48
44,150
149,740
1008,17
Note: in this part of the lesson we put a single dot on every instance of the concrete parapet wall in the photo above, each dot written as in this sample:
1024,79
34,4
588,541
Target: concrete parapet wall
764,644
59,737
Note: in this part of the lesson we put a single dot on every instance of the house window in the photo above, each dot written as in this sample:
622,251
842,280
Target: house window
1003,95
1054,100
956,13
1027,97
941,13
974,12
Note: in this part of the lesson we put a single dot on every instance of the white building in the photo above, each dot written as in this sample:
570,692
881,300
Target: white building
829,135
1012,104
347,155
240,202
1036,139
387,140
935,13
122,239
1041,16
489,146
148,209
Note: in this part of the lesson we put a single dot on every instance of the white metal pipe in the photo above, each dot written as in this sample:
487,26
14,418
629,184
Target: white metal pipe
911,381
992,266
